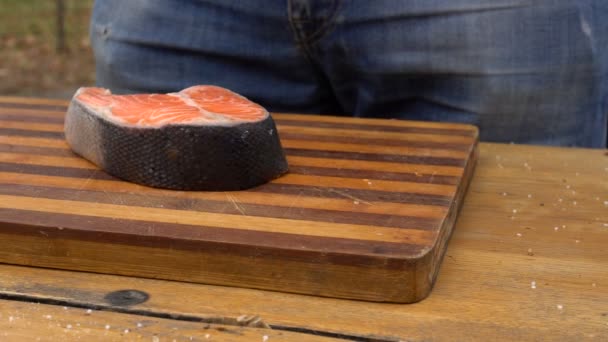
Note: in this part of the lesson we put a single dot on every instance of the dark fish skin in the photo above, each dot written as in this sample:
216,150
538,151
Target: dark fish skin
180,157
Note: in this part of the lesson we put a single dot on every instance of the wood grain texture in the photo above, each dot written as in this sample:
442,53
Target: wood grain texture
365,212
484,289
23,321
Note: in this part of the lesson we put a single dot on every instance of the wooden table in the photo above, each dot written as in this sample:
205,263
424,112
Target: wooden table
528,261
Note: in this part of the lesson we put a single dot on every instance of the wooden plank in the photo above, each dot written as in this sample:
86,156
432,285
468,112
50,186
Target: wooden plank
484,289
28,321
375,203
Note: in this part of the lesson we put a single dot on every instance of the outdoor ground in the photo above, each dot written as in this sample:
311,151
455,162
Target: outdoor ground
30,64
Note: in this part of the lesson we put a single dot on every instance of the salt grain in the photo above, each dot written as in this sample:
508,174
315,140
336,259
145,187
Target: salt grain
265,338
574,202
560,200
529,195
593,285
533,284
89,311
605,224
127,331
577,241
355,202
107,327
504,194
207,336
69,326
560,307
139,325
48,316
568,186
518,234
530,252
11,318
514,211
605,202
556,228
155,339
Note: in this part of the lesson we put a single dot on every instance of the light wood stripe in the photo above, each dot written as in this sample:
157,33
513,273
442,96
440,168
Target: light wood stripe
34,112
33,100
376,166
227,221
447,139
355,183
293,160
368,121
397,150
287,143
309,180
33,126
271,199
31,141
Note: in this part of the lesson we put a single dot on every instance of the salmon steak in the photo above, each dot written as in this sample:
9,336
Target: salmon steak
201,138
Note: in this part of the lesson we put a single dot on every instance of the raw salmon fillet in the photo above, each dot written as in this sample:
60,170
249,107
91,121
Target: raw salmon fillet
201,138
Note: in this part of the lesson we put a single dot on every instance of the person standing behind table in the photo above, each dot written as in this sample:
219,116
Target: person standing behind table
523,71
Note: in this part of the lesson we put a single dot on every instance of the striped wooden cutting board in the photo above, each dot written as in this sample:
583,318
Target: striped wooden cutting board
365,212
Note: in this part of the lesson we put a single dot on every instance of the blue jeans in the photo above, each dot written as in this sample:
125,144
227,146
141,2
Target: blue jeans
527,71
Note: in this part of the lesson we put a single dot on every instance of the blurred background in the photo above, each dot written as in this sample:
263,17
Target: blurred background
44,47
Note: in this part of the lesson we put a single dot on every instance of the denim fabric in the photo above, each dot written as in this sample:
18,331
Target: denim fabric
522,70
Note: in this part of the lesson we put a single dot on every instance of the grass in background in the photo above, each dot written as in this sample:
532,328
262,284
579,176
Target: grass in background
29,62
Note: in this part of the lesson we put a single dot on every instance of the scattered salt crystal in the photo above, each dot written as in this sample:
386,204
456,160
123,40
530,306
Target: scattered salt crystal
564,226
605,224
514,211
529,195
574,202
127,331
560,307
605,202
11,318
530,252
504,194
560,200
568,186
155,339
577,241
573,192
518,234
89,311
597,198
139,325
48,316
556,228
265,338
533,284
355,202
578,174
107,327
207,336
69,326
593,285
65,308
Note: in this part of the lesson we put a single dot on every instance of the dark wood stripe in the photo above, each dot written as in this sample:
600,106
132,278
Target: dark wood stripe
357,195
38,150
372,141
38,106
302,170
394,158
206,240
55,171
31,118
376,127
31,133
291,189
221,207
370,174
